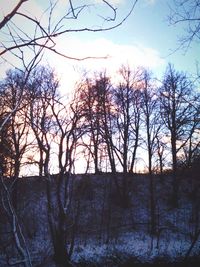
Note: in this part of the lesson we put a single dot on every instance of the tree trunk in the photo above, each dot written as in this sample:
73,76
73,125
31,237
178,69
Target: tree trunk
174,166
17,233
57,230
152,205
134,152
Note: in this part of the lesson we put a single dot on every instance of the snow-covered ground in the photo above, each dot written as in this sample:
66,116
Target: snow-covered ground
144,248
108,233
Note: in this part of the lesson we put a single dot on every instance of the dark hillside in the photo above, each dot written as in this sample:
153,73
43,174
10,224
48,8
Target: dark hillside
108,227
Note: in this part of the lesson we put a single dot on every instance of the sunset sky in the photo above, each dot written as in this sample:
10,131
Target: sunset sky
144,39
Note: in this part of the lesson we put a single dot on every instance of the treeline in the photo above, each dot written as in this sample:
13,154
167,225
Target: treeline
109,125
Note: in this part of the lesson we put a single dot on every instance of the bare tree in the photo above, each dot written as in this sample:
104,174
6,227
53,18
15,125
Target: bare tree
128,109
23,255
176,99
18,130
68,130
5,124
151,127
150,116
42,88
191,148
54,124
88,99
104,91
12,87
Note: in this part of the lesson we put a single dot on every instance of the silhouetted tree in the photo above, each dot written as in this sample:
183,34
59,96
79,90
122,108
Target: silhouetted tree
176,96
67,131
107,115
127,99
150,118
18,130
88,98
191,148
42,89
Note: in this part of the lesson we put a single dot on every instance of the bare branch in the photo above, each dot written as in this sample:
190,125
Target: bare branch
46,39
186,13
11,14
114,12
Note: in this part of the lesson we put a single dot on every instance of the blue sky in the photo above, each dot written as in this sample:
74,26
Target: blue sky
153,31
145,38
148,27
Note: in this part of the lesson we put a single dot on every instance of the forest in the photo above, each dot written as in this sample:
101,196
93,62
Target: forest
107,174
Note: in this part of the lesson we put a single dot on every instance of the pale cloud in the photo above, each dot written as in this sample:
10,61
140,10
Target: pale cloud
117,55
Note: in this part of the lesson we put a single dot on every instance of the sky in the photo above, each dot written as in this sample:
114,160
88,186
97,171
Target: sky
144,39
